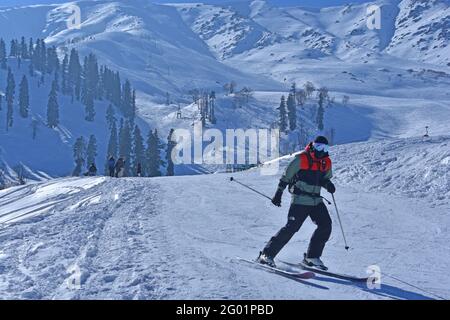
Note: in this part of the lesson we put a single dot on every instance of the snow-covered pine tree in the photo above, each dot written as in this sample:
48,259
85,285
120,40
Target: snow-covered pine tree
320,115
302,135
13,51
64,76
31,70
89,91
116,95
53,108
309,89
247,93
133,107
56,79
89,108
91,151
323,97
39,58
138,157
101,83
294,89
110,116
9,95
52,60
153,155
74,73
79,155
24,49
125,145
127,100
300,97
113,147
212,104
170,146
282,120
30,48
2,54
24,98
292,112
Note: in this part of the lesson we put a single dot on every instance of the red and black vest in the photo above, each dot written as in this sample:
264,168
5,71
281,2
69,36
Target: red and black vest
311,169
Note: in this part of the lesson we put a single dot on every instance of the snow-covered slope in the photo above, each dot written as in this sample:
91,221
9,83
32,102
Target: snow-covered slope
8,176
407,167
168,238
224,30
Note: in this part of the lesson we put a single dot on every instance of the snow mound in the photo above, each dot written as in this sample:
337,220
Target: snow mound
402,166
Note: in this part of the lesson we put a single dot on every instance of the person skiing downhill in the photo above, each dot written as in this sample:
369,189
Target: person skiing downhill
305,175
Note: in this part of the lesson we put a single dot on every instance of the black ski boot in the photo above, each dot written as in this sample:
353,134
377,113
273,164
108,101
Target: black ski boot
314,263
264,259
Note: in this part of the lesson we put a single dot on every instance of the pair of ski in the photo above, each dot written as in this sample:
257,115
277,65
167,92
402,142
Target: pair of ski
306,273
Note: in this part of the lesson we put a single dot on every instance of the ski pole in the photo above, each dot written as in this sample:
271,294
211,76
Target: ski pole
261,194
340,223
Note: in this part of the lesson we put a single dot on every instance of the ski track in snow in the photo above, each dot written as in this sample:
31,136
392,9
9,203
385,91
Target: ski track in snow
113,237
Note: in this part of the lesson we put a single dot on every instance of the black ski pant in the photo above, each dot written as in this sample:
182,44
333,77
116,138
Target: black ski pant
296,217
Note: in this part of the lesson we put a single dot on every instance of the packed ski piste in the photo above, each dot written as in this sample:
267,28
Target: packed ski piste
251,150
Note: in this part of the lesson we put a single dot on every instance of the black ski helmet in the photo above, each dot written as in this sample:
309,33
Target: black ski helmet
321,139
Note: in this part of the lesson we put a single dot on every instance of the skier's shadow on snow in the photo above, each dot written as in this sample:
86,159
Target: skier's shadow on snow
307,283
386,290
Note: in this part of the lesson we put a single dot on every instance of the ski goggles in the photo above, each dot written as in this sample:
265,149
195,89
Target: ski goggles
321,147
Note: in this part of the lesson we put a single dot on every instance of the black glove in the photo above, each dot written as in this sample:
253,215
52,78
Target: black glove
276,200
330,187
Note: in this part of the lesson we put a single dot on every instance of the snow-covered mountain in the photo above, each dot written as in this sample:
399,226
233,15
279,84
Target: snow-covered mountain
419,28
396,86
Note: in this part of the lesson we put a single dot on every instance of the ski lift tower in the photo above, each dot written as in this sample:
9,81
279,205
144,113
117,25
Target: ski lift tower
426,136
179,114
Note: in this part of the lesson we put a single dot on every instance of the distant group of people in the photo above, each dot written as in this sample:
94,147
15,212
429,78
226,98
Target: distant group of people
117,168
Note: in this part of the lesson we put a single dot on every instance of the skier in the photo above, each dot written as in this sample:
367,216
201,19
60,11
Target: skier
92,170
120,167
111,165
139,170
306,175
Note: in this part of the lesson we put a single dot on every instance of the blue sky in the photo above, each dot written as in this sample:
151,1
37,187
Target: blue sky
308,3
